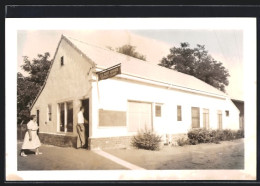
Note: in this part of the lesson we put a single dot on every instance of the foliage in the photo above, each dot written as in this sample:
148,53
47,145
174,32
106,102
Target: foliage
198,63
240,134
183,141
213,136
29,86
129,50
146,140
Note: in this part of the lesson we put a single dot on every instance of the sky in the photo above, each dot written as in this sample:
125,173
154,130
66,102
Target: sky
223,45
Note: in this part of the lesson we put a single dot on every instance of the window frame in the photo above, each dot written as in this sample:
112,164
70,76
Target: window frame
158,115
206,115
220,119
66,115
179,113
197,108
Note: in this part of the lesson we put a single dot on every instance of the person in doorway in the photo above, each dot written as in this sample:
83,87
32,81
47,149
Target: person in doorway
31,139
81,139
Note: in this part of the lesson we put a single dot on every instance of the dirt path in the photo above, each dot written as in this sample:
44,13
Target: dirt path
227,155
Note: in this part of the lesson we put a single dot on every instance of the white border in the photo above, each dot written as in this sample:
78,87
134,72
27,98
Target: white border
248,25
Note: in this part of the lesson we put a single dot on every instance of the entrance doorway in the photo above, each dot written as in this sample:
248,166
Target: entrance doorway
85,105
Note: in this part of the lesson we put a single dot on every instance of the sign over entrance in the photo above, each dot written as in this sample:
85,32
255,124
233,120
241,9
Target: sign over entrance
109,72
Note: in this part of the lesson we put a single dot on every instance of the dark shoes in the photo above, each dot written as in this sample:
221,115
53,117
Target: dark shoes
83,147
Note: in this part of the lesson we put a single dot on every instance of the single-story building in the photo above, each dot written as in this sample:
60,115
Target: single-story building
143,96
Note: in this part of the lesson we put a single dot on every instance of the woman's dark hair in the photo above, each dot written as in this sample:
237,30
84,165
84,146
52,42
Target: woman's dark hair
81,108
32,116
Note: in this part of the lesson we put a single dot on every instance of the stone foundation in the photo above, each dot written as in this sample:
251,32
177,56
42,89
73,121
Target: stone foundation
68,140
121,142
110,142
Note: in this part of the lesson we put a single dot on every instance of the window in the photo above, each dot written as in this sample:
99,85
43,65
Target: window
220,119
195,116
158,110
49,113
61,61
227,113
178,113
65,116
206,118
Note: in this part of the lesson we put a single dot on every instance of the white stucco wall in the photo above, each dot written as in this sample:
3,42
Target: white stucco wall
69,82
113,94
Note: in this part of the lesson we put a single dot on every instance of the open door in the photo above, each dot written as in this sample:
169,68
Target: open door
85,104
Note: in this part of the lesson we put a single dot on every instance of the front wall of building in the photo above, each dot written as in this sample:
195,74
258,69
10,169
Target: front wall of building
66,83
115,94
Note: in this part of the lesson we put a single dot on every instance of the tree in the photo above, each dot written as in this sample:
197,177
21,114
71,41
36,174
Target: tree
130,51
198,63
29,86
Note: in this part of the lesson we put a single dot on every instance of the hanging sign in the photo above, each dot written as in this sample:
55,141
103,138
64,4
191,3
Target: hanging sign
109,72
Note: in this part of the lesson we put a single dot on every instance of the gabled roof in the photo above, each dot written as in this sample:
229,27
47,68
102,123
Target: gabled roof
105,58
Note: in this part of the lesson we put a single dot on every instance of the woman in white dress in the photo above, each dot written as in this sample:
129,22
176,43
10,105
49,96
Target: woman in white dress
31,139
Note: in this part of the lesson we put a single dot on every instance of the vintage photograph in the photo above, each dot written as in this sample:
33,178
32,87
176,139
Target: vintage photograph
131,100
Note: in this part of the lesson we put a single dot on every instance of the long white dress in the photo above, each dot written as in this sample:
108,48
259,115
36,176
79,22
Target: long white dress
35,142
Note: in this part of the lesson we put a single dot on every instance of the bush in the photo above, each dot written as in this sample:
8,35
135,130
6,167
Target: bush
219,135
200,136
240,134
193,141
228,134
146,140
183,141
213,136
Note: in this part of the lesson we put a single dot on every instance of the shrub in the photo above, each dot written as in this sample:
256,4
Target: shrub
146,140
234,134
213,136
183,141
192,134
219,135
228,134
193,141
200,136
240,134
